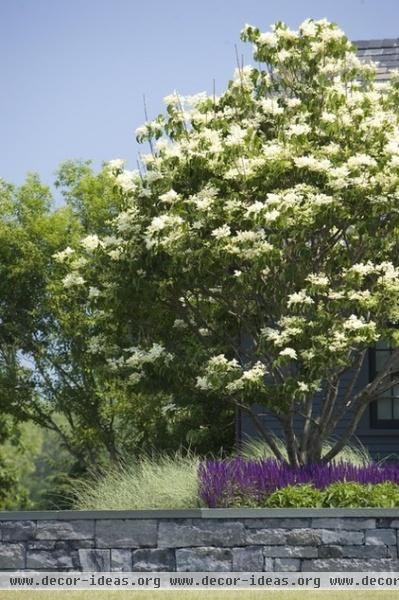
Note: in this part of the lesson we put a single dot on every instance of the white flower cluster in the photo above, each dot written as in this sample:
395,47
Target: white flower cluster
289,329
303,387
388,276
169,197
127,181
361,160
164,230
73,279
217,370
248,244
63,255
353,323
273,151
204,200
270,105
91,242
289,353
139,357
126,221
298,129
300,297
221,362
222,232
117,164
318,279
267,39
362,269
312,163
253,376
236,136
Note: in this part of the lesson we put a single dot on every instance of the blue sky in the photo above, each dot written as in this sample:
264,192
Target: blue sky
73,72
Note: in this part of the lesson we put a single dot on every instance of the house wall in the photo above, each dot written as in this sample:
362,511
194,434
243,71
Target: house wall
381,443
201,540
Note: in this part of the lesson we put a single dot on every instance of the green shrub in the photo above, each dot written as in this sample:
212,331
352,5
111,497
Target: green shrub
295,496
347,494
357,495
384,495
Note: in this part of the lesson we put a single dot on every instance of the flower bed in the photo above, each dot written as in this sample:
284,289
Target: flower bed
240,482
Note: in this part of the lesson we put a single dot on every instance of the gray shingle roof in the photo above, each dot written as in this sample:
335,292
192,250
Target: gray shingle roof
384,52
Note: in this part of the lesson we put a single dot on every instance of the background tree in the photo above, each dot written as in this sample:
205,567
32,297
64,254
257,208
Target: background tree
52,372
256,251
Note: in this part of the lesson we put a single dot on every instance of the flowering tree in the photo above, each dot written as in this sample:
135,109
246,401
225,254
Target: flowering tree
258,244
108,418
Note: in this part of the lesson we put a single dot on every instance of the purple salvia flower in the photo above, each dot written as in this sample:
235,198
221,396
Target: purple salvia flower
223,480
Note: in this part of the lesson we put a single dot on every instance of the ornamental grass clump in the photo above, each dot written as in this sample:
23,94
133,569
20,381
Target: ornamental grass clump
222,482
353,453
151,482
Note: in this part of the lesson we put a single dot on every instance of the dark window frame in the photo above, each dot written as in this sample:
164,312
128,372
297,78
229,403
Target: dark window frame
375,422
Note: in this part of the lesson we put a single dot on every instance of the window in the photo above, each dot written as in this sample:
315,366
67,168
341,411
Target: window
384,412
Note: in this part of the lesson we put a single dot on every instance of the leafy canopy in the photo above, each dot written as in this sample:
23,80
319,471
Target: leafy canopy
258,244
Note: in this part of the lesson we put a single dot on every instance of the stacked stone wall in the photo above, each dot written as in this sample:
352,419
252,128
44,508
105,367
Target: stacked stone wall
202,540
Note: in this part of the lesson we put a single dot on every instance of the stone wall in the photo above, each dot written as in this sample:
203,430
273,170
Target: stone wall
201,540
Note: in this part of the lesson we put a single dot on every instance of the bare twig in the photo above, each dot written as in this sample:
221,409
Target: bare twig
146,118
